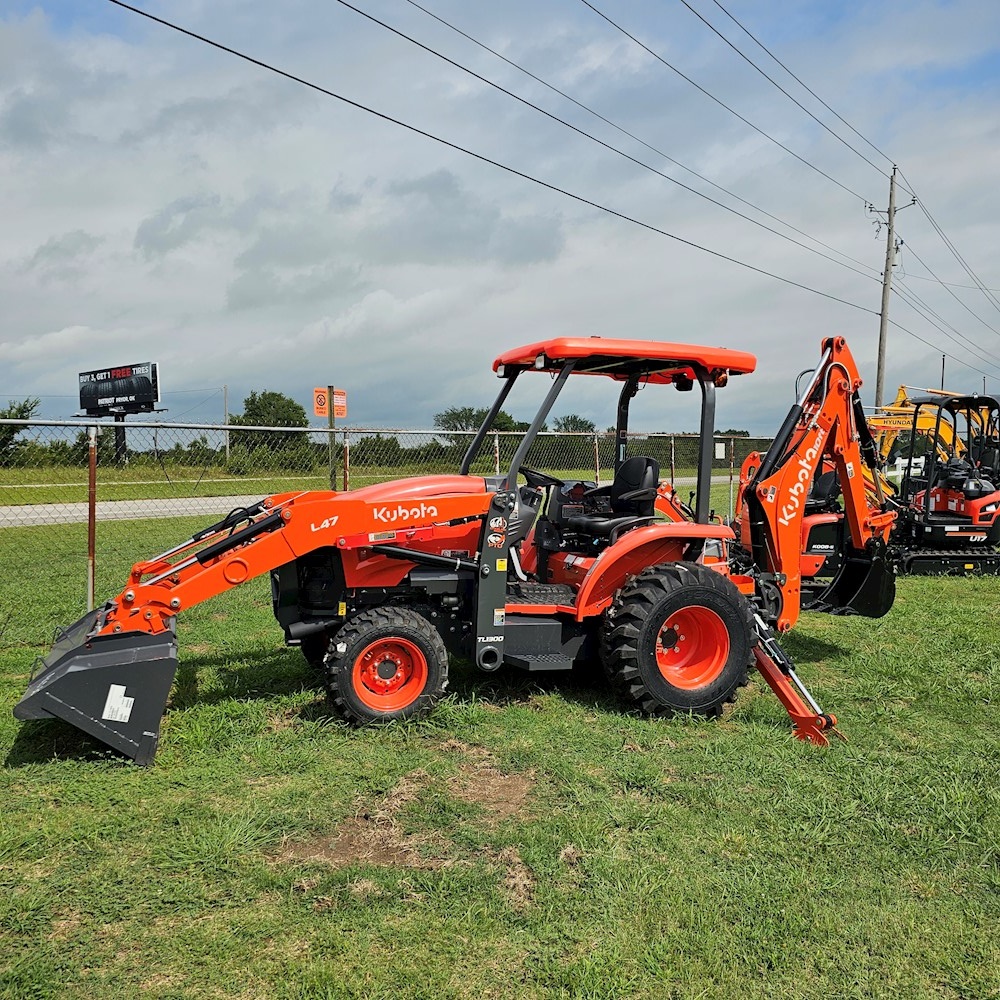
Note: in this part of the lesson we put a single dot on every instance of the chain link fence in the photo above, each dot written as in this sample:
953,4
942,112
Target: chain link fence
80,502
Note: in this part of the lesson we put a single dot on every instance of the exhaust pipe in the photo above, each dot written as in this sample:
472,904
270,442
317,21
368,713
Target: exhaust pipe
112,687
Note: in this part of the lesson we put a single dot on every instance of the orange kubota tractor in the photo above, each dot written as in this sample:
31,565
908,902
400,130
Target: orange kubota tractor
380,584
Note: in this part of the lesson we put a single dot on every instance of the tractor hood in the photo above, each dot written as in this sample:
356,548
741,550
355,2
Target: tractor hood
419,488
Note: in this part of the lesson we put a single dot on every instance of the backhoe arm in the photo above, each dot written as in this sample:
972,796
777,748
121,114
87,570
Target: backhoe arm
825,430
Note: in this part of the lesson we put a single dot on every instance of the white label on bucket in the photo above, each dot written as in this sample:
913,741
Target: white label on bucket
117,708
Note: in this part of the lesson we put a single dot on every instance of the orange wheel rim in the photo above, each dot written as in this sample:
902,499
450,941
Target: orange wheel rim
390,674
692,648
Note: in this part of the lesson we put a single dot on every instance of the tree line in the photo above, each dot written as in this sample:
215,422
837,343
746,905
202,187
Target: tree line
569,444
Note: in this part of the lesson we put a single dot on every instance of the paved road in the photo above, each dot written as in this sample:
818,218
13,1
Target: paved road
120,510
28,515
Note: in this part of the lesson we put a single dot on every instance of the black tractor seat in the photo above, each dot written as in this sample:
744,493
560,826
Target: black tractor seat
632,496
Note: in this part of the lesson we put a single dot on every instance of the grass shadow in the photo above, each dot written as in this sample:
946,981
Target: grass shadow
584,685
208,680
41,741
809,649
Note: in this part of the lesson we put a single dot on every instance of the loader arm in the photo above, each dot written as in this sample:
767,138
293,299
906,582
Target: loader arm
825,427
276,531
110,673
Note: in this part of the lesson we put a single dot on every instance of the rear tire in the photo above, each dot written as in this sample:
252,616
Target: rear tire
678,639
388,664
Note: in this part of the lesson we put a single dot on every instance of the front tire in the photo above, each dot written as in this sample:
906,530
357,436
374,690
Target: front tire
678,639
388,664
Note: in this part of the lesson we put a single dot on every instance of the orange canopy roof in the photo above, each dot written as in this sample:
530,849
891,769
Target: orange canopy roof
653,360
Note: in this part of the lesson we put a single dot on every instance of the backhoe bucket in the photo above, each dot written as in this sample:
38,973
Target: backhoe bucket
865,584
113,687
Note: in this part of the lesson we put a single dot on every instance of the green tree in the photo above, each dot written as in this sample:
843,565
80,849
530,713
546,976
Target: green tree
470,418
270,409
254,450
573,423
24,410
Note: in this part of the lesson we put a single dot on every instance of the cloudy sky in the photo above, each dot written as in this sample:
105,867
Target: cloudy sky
163,200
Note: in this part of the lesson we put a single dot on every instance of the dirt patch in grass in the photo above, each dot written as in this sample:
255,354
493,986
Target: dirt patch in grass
374,834
285,719
480,782
65,927
518,882
500,796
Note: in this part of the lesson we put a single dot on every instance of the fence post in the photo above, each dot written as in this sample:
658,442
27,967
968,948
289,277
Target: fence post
597,459
91,518
225,422
347,461
496,453
672,459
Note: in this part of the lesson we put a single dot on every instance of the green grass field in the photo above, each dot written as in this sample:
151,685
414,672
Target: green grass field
530,839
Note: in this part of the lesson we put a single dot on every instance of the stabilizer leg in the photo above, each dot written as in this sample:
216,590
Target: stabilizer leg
811,722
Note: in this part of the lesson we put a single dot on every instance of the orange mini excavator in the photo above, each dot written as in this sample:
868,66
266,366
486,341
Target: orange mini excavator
379,585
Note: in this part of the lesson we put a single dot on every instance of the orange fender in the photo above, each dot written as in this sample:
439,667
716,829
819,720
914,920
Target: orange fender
632,553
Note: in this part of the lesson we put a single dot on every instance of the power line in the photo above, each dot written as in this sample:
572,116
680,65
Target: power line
593,138
633,136
967,308
951,246
947,284
775,83
479,156
770,138
925,312
925,305
197,406
937,348
801,83
910,294
76,395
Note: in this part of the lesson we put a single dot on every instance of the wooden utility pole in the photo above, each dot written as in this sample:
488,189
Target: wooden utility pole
890,253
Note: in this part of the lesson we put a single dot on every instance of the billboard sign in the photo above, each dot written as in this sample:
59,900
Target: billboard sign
123,389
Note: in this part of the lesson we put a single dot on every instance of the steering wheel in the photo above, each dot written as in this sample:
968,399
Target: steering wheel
539,480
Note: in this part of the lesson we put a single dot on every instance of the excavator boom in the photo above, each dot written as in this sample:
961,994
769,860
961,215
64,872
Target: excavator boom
824,434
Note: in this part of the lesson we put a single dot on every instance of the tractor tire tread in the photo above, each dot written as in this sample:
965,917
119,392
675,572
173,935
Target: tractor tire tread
622,630
384,620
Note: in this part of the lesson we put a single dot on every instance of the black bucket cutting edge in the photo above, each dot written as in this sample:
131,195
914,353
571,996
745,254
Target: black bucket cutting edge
112,687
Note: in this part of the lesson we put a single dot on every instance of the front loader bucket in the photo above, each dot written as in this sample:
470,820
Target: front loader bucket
113,687
865,584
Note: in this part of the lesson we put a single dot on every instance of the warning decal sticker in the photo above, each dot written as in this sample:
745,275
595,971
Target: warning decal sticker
117,708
